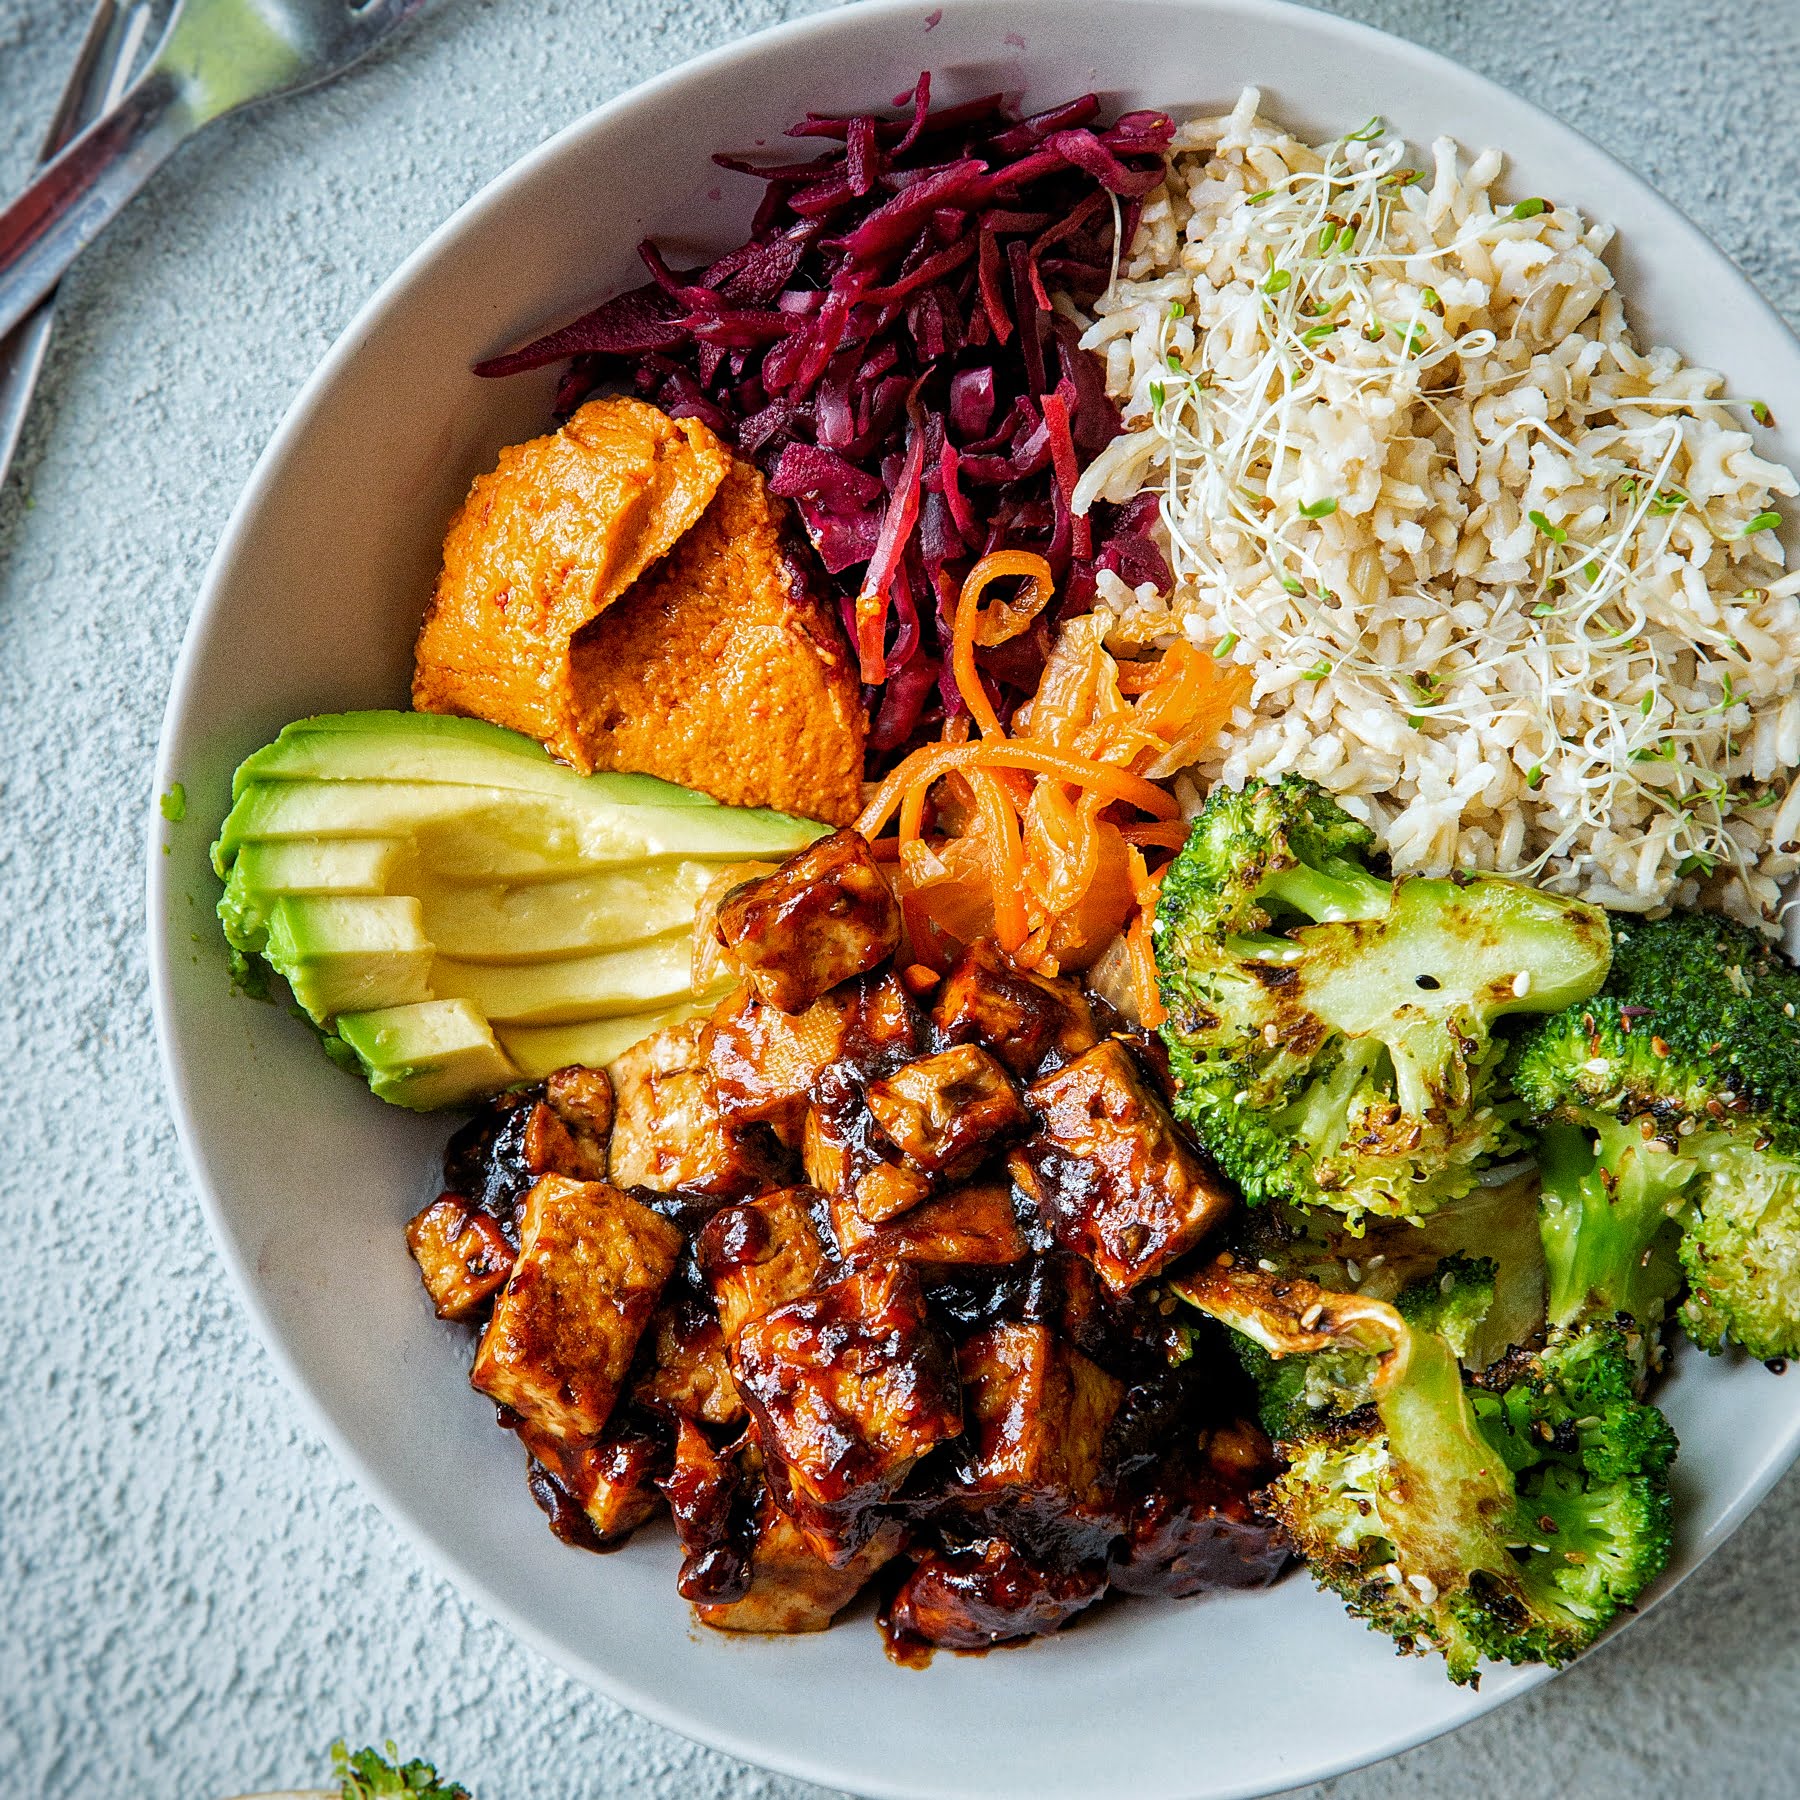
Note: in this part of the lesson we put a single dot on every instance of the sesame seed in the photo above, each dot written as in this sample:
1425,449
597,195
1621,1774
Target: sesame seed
1597,1065
1521,984
1312,1315
1660,1046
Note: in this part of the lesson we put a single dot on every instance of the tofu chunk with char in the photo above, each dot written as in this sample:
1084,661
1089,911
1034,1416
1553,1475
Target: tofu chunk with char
1195,1525
826,915
1023,1018
946,1112
843,1148
846,1156
765,1063
848,1387
592,1264
969,1226
1038,1412
688,1375
559,1127
668,1132
973,1596
1114,1177
760,1254
791,1588
597,1494
581,1101
463,1256
712,1498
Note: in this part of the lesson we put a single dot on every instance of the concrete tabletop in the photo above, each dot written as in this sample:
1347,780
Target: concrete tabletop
198,1600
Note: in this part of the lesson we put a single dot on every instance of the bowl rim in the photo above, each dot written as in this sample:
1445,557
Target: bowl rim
614,1683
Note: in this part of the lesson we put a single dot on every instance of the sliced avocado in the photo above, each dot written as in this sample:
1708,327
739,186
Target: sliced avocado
514,922
264,872
588,828
388,863
639,978
435,748
593,1043
342,954
432,1054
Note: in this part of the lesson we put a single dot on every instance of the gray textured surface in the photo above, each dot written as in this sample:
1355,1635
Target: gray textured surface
197,1599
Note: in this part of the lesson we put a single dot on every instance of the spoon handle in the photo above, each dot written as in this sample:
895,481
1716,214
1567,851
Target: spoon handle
79,193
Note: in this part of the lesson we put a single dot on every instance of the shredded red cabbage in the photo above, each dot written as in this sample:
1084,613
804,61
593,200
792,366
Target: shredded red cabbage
884,347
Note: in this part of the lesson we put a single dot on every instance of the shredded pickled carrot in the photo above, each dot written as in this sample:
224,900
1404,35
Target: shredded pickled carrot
1039,828
934,761
1161,834
1151,1011
1001,826
1141,946
1003,622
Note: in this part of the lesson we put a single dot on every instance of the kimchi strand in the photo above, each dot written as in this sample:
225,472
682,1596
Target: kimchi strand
934,761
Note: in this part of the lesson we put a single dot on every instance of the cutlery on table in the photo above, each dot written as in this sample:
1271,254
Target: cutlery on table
103,65
215,56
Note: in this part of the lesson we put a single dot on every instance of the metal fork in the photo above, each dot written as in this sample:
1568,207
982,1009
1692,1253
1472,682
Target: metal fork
103,65
216,56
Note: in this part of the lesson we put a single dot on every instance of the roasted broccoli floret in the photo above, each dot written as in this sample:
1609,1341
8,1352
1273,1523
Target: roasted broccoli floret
1494,1225
1671,1112
1511,1518
1330,1031
1452,1302
368,1775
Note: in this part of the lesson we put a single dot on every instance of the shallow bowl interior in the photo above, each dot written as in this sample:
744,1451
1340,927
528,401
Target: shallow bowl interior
311,605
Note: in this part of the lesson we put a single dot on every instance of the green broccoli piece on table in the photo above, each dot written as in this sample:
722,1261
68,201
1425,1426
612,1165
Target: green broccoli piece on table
1670,1107
1513,1517
367,1775
1330,1031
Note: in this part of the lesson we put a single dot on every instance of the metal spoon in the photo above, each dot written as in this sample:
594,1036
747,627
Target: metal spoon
216,56
103,66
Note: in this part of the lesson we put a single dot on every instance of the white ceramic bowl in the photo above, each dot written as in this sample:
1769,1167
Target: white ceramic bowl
311,605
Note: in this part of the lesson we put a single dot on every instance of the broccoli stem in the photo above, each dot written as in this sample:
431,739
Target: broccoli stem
1339,891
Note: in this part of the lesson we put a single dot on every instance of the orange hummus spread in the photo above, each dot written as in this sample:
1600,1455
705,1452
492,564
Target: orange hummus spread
621,592
557,532
722,670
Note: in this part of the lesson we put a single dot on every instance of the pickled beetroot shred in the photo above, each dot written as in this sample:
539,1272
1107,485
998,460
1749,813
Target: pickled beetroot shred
885,348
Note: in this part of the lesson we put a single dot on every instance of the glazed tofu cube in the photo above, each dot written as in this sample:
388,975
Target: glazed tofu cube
847,1161
1111,1173
689,1376
1037,1415
760,1254
972,1226
668,1132
592,1265
766,1064
791,1588
1196,1525
1024,1018
946,1112
825,915
582,1101
972,1596
712,1500
848,1386
622,1490
596,1493
463,1257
